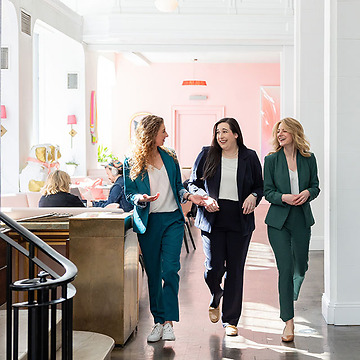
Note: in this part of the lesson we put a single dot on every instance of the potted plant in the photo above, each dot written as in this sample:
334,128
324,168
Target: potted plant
105,155
71,167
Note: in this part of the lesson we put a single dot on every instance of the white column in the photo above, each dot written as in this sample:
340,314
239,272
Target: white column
287,79
341,300
10,98
309,94
25,93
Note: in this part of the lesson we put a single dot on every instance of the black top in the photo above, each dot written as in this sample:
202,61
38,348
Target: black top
60,199
249,180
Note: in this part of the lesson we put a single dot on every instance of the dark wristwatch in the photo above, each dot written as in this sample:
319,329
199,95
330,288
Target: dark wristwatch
254,194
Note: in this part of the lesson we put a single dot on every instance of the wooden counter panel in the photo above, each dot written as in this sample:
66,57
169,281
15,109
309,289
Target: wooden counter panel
131,278
95,227
107,283
2,271
2,253
2,285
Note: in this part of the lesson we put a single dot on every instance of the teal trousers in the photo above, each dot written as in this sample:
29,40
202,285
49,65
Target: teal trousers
291,249
161,247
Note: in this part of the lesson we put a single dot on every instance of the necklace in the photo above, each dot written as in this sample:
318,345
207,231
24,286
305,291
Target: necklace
231,156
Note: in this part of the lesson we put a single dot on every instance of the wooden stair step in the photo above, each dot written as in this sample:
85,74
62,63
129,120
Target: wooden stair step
23,319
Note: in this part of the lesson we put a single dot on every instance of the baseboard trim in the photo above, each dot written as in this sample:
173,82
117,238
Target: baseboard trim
340,313
317,243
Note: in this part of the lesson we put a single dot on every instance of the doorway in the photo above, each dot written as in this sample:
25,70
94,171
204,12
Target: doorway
193,129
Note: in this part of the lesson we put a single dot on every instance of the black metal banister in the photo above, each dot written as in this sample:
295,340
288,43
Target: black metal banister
70,268
42,296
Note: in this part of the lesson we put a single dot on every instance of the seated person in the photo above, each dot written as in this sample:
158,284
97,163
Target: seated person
114,171
56,191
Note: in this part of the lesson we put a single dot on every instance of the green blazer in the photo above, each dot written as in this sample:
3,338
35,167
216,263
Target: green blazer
141,185
277,182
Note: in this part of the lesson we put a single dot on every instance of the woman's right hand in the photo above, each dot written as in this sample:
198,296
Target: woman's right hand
288,198
149,198
211,205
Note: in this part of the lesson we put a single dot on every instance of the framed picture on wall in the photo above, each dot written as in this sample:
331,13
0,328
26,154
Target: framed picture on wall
134,122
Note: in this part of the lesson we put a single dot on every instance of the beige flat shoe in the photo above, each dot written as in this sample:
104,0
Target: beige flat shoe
288,337
231,330
214,314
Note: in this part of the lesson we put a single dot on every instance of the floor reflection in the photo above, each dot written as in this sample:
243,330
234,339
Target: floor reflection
259,328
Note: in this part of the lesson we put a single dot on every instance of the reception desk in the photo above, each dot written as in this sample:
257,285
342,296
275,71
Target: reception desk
105,250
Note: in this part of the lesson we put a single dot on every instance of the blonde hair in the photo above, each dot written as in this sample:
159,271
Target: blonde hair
56,181
145,138
294,128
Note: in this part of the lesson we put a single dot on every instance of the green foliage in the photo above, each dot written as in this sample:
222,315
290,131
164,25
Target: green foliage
105,155
72,163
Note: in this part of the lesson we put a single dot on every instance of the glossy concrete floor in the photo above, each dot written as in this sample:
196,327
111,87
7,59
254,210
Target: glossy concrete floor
259,327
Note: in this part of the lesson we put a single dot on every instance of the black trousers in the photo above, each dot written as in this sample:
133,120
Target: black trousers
225,249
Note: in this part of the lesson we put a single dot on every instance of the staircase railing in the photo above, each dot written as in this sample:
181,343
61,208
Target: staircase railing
44,294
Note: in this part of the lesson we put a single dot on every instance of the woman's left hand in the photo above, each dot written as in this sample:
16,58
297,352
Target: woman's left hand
198,199
301,198
249,204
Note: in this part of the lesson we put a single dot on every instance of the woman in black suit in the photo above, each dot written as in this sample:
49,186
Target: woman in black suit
230,175
56,192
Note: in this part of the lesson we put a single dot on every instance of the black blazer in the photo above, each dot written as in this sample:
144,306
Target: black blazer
60,199
249,180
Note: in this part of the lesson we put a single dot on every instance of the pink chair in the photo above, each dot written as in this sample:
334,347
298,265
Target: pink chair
33,198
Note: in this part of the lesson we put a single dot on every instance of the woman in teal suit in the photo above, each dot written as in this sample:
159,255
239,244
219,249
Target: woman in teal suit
153,185
290,183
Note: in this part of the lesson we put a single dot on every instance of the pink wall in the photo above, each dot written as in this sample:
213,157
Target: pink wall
157,88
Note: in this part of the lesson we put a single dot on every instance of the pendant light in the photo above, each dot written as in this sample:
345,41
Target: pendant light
194,81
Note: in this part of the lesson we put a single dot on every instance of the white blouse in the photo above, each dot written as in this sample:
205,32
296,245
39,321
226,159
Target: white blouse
159,183
228,183
294,182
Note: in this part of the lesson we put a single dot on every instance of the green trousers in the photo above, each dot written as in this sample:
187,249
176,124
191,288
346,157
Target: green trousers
161,247
291,248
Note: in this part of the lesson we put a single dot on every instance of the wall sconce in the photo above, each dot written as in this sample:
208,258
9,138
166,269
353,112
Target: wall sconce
71,120
3,116
3,112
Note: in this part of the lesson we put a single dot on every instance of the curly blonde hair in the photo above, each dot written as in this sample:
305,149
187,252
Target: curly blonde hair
294,128
57,181
145,138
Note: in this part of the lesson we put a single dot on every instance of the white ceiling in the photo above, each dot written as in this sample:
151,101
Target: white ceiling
246,56
226,31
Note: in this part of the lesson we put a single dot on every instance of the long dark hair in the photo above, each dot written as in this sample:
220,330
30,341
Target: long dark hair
214,155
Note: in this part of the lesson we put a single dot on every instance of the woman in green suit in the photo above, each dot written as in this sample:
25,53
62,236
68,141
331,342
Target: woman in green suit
290,183
153,185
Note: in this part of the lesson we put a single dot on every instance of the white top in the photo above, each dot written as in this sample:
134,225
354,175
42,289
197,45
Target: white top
294,182
228,183
159,183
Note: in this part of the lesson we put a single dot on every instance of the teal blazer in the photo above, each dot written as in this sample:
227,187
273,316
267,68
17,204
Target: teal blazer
141,185
277,183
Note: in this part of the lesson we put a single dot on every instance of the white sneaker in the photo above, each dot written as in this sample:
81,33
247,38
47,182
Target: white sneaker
231,330
156,333
168,333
